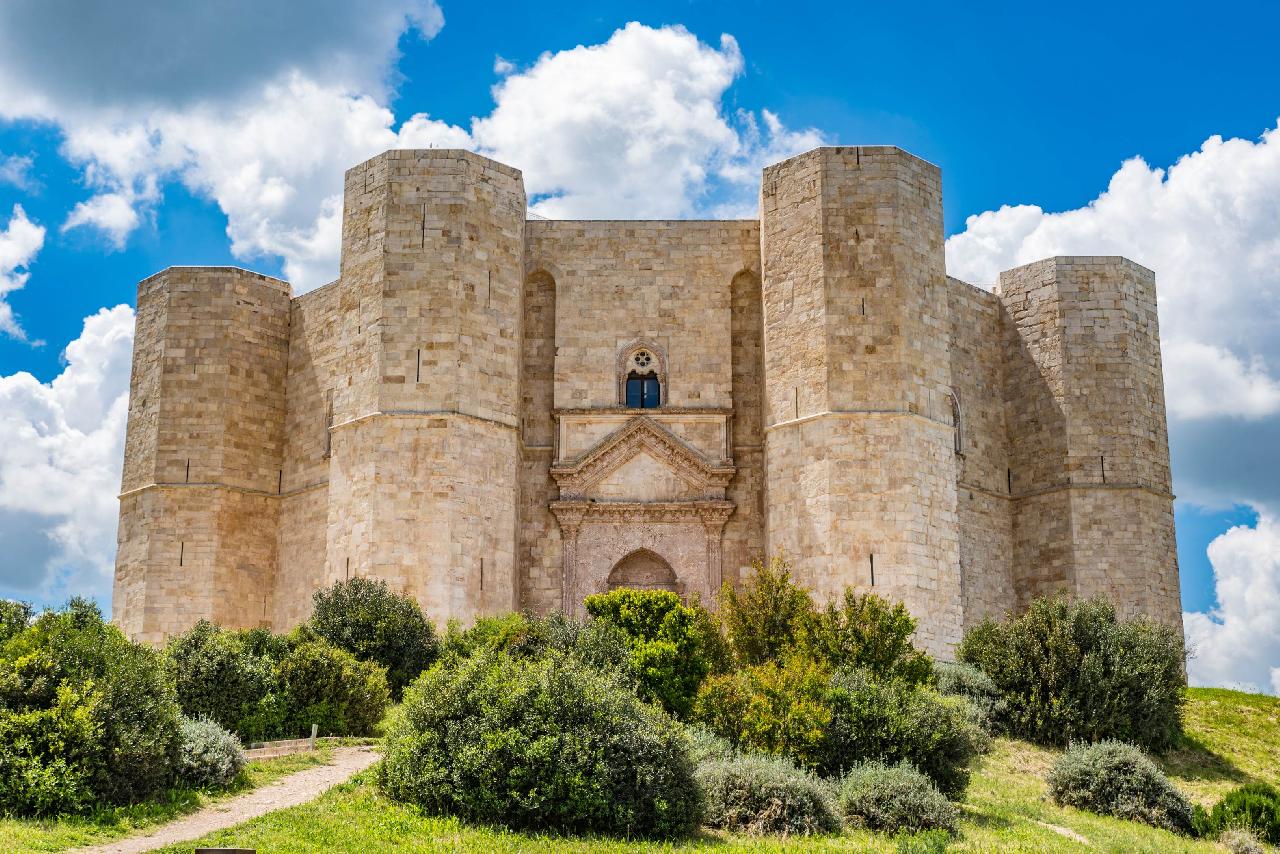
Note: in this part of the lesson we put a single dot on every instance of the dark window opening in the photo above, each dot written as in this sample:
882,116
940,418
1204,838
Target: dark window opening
643,392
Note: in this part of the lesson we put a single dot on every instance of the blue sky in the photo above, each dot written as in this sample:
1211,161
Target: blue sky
161,136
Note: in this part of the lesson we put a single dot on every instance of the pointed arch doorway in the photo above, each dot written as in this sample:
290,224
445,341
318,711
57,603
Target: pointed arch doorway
643,570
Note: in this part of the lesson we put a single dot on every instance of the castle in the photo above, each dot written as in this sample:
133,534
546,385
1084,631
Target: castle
496,412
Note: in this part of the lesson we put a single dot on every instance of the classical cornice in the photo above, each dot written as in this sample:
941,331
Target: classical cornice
711,512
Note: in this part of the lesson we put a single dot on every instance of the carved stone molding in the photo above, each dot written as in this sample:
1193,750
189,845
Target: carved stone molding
596,527
577,477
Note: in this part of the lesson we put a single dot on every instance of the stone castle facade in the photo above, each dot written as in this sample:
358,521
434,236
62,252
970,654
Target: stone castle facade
493,412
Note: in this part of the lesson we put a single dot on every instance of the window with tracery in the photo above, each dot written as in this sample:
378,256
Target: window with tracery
643,384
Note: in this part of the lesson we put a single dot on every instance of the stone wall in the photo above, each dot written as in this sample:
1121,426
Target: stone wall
1089,445
204,447
859,454
423,483
448,416
983,507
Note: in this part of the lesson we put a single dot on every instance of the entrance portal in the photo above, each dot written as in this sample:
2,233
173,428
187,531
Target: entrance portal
643,570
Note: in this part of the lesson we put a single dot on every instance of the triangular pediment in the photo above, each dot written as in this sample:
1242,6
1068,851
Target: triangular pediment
642,461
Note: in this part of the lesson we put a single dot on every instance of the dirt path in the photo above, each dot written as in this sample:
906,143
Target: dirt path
286,792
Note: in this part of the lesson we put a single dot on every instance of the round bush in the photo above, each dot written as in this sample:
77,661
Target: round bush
1072,671
965,680
331,688
87,718
1254,806
218,676
894,722
777,709
368,620
894,798
1113,778
763,795
540,743
209,757
668,647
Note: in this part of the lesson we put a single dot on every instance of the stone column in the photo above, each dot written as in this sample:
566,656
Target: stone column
713,519
570,520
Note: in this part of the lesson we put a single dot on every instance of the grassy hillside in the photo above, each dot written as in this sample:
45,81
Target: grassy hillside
68,833
1232,738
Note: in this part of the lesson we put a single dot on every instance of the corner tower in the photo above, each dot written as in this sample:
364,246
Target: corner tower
1089,461
424,453
860,463
198,504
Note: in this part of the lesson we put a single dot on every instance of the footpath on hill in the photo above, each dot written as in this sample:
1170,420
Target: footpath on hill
289,791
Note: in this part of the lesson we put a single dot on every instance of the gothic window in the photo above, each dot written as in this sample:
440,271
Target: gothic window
641,377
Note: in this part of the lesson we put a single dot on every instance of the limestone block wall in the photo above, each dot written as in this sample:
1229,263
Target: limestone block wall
600,286
323,327
1089,445
744,534
204,451
664,282
983,504
859,456
424,442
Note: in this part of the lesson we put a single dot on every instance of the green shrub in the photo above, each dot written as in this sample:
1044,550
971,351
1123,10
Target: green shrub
892,722
864,631
219,675
893,798
778,709
597,643
327,686
828,723
48,756
964,680
368,620
1113,778
667,640
1254,807
89,717
765,619
763,795
1073,671
209,757
540,743
14,617
705,745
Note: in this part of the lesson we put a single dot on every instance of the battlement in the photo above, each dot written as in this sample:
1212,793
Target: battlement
494,413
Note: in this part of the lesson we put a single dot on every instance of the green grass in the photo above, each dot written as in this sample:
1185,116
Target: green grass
1232,738
63,833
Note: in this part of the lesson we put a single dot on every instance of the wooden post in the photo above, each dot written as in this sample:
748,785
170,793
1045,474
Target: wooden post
311,742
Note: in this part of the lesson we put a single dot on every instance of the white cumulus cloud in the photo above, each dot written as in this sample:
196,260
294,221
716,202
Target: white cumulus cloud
1238,645
633,127
20,241
61,451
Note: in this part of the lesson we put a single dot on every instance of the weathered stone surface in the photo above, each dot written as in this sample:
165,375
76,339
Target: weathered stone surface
450,414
